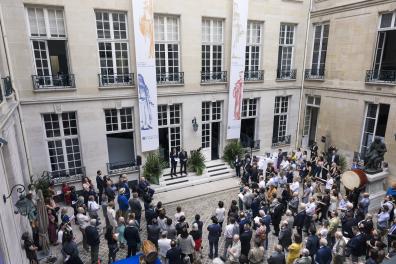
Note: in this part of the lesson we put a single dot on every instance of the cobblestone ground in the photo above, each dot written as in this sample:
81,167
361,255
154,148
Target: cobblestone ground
204,206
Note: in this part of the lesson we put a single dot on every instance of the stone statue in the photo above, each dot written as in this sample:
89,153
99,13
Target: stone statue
374,156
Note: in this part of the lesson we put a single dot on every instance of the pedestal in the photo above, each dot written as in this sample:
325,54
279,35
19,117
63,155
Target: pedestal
375,187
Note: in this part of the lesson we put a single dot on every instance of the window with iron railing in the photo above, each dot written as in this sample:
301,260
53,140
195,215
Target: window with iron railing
253,51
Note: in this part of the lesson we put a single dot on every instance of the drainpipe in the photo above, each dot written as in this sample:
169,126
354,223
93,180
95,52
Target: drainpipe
19,110
300,107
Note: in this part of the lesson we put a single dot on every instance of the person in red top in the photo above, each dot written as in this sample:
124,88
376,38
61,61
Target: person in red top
237,94
197,236
66,193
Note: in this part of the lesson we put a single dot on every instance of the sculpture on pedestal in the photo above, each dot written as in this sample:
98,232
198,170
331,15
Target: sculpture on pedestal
374,156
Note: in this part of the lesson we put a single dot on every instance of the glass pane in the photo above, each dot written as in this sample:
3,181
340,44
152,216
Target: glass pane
386,20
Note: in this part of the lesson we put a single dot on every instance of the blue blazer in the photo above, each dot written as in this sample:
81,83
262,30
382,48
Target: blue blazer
323,256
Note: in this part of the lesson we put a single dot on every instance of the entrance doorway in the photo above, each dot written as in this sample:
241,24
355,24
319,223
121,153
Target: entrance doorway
247,131
310,120
215,140
164,144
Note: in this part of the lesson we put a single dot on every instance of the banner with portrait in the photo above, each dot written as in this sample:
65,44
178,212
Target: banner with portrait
143,21
237,67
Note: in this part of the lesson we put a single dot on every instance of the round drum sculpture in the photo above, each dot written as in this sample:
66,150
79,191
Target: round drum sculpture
354,179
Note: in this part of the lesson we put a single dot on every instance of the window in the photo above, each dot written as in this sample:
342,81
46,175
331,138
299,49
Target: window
249,108
280,119
49,45
170,130
375,125
112,33
319,52
211,112
63,144
120,140
286,52
253,51
212,50
248,123
384,65
167,46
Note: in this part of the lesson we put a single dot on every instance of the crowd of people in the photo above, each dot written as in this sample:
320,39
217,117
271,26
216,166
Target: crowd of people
296,201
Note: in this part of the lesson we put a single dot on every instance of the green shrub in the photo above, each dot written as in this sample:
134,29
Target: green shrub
153,167
343,163
42,183
231,150
196,162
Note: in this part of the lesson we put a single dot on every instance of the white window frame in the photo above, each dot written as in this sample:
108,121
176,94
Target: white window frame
251,44
320,50
112,40
165,43
119,122
215,108
247,108
172,126
63,139
278,112
211,43
285,45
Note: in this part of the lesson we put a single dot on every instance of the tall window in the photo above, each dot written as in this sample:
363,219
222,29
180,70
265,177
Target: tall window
375,124
212,50
279,134
63,144
120,139
211,112
167,46
112,33
384,65
286,52
248,122
49,41
321,36
169,125
253,50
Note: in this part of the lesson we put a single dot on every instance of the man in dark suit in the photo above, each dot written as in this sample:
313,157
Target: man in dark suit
213,237
237,165
183,161
299,220
276,216
174,254
173,160
312,242
278,257
245,239
135,206
323,256
99,184
285,235
333,157
357,244
132,237
93,240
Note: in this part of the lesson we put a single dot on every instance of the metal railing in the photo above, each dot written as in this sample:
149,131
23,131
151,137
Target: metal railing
213,77
121,167
255,144
53,81
67,175
376,76
286,74
8,90
279,141
106,80
170,78
254,75
314,74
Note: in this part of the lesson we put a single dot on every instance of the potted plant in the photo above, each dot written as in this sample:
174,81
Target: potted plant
231,150
153,167
196,162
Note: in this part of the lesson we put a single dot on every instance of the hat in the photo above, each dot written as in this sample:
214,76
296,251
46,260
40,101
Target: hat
121,190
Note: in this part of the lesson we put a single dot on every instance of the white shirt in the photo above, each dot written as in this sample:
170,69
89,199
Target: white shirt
229,231
83,220
177,216
93,206
329,183
310,209
60,236
163,246
284,164
111,215
220,214
295,186
261,184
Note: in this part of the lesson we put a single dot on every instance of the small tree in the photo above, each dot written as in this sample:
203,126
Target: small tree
343,163
153,167
42,183
196,162
231,150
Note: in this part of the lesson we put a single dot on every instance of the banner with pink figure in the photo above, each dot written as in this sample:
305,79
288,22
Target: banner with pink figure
143,21
237,68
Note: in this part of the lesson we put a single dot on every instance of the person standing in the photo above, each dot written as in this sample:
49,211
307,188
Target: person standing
132,237
237,165
285,235
312,242
294,249
123,204
99,184
173,159
245,239
323,256
220,213
186,244
277,257
83,222
112,239
70,249
93,240
183,162
135,206
111,215
256,254
30,248
339,248
213,237
276,215
153,232
231,229
174,254
234,252
164,244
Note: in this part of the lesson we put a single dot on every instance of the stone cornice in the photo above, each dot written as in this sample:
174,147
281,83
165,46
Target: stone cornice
349,7
342,90
167,94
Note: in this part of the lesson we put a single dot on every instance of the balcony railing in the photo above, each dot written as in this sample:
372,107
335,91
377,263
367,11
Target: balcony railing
254,75
58,81
213,77
286,74
67,175
8,90
121,167
375,76
255,144
280,141
170,78
314,74
106,80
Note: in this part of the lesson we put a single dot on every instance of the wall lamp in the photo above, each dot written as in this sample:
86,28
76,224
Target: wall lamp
194,124
19,188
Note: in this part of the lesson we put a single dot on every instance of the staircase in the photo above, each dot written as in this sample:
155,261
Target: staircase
215,170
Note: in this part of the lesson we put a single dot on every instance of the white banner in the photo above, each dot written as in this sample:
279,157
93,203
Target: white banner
239,26
143,21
